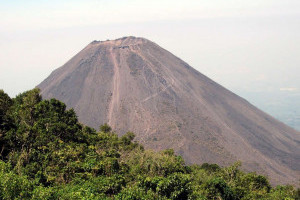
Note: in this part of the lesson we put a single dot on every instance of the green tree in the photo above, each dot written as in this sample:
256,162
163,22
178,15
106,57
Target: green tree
105,128
47,154
5,123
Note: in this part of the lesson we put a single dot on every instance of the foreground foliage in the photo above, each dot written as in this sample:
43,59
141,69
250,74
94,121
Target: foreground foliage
45,153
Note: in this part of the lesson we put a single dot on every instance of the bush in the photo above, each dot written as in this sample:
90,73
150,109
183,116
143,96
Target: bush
47,154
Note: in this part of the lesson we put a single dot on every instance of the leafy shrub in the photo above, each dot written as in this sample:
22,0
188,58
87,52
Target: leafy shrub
45,153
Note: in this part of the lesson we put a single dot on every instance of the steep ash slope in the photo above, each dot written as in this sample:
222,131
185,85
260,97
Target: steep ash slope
133,84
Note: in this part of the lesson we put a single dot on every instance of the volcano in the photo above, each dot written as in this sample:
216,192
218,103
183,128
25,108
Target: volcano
135,85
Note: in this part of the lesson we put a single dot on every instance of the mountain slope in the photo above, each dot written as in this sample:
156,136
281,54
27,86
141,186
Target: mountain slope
133,84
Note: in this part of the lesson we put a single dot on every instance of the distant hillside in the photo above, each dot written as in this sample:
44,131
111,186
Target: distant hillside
284,106
134,84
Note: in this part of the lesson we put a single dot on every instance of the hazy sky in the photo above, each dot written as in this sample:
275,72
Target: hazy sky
245,45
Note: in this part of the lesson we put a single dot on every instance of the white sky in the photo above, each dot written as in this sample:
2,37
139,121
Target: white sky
245,45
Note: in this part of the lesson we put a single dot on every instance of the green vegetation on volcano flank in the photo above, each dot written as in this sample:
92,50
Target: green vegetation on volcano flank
45,153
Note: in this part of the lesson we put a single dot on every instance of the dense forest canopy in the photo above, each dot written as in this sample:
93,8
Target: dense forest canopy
45,153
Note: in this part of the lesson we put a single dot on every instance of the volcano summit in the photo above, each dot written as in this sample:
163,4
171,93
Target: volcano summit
134,84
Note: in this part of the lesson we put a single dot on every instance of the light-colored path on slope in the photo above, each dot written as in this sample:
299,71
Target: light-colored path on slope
157,93
116,84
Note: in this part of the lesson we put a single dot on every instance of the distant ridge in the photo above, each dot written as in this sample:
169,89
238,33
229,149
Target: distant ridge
134,84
